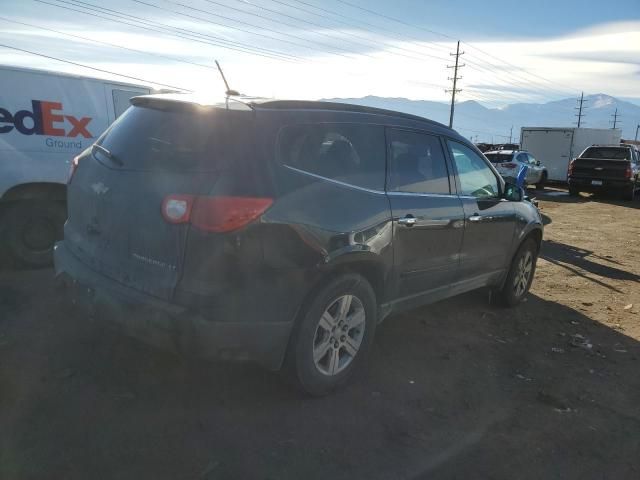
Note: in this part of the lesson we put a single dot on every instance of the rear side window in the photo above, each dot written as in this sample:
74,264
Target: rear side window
184,140
350,153
416,163
607,153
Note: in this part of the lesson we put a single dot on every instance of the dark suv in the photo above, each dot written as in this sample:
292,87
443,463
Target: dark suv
283,232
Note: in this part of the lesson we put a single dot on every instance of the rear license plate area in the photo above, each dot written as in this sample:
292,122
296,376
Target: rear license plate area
596,182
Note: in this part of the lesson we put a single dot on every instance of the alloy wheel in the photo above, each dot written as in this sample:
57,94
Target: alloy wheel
523,273
339,334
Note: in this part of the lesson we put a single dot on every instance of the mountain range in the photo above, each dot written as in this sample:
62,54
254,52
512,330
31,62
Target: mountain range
482,124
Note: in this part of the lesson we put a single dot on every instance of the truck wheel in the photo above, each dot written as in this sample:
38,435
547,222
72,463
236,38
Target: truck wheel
31,228
630,195
333,335
520,276
543,180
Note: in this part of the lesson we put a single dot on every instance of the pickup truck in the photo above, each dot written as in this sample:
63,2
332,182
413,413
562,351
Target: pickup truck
606,168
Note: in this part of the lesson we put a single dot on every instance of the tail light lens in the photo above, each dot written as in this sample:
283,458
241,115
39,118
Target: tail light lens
177,208
72,168
570,170
214,214
627,172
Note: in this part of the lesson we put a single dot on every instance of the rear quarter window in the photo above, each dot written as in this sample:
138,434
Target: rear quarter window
350,153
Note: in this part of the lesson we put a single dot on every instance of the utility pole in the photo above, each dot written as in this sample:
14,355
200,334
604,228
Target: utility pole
455,79
637,128
615,118
511,134
579,108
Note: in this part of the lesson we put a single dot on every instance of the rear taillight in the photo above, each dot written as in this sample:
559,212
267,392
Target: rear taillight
628,172
570,169
177,208
72,168
214,214
509,165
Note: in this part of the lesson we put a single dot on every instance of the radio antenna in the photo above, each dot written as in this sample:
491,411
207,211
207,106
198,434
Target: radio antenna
229,91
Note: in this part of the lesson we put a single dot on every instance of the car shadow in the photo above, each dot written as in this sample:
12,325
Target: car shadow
452,391
560,194
579,260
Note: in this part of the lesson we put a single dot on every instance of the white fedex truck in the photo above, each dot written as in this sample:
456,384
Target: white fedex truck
46,119
556,147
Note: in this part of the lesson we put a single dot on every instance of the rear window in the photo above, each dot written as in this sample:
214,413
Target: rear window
610,153
350,153
499,157
182,140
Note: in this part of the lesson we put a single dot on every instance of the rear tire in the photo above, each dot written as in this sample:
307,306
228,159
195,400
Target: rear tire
31,229
543,180
333,335
630,196
520,276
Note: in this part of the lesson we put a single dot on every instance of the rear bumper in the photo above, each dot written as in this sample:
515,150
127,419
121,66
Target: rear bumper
169,326
586,185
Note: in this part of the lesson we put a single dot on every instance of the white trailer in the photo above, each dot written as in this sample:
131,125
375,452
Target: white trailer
46,119
555,147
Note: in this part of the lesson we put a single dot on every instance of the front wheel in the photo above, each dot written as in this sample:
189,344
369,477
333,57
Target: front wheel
333,335
543,180
520,274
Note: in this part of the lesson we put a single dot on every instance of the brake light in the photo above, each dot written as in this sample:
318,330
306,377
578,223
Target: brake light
72,168
627,172
214,214
509,165
570,169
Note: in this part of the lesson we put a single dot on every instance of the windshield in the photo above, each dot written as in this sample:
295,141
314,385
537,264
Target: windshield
607,153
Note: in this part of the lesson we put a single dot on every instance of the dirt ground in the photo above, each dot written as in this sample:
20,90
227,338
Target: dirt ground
455,390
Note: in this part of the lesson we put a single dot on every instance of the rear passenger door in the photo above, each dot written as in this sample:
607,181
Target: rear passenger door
489,220
428,219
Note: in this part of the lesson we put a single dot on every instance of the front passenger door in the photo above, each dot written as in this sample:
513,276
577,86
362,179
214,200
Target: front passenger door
428,220
489,220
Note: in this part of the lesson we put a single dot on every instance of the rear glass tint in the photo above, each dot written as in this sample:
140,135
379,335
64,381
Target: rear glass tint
179,140
350,153
607,153
499,157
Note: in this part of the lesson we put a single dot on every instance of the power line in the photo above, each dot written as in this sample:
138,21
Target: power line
455,79
243,30
350,34
157,27
94,68
99,42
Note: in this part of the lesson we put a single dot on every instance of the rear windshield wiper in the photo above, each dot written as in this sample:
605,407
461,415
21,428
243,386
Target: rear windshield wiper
107,154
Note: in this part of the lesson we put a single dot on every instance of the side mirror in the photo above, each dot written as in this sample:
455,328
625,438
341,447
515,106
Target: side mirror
537,163
513,193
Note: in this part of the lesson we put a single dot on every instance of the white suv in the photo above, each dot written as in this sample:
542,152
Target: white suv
509,162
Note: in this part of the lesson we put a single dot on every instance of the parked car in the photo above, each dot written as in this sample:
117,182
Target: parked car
606,168
509,162
284,231
46,119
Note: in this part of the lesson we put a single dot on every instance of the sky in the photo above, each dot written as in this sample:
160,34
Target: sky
514,52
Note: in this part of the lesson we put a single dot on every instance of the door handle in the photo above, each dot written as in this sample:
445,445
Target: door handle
407,221
475,218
